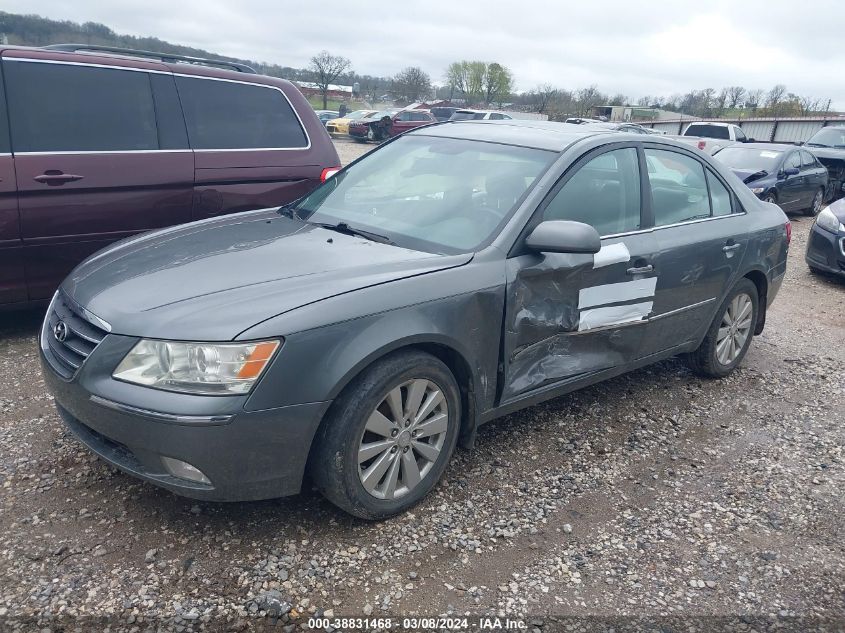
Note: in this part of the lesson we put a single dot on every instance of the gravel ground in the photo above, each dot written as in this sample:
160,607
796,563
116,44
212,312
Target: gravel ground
653,494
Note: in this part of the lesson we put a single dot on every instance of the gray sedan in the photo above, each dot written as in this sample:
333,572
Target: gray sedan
456,274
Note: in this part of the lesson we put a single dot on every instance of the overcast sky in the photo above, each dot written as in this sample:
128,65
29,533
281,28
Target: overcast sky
636,48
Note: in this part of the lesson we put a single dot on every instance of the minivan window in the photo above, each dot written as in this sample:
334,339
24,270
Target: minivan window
232,115
604,193
67,108
678,188
5,145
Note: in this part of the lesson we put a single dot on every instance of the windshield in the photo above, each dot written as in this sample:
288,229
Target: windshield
356,114
432,194
828,137
749,158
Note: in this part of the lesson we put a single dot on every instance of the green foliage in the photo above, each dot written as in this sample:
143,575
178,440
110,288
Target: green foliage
480,82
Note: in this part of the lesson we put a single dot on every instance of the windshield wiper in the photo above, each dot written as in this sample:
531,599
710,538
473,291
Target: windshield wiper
343,227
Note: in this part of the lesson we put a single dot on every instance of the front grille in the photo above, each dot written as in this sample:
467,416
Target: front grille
67,356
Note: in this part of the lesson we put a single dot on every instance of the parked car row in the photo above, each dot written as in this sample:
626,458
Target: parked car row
136,143
387,124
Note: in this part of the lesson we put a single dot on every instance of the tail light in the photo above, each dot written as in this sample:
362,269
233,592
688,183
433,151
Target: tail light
702,144
328,172
788,227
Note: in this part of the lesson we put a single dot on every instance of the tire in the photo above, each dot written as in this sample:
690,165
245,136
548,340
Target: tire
371,135
709,360
816,206
771,197
362,418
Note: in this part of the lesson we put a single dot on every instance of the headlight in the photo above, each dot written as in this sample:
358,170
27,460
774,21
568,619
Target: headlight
758,190
827,220
199,368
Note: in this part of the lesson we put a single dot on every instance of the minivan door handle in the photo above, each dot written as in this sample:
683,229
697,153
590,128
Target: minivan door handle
641,270
54,178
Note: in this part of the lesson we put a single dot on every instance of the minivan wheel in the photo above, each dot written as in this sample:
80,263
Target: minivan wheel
814,209
729,336
389,436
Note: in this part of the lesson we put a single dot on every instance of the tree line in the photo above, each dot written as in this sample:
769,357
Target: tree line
778,101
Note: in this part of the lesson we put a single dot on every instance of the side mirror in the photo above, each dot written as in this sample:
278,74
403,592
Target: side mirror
748,139
791,171
564,236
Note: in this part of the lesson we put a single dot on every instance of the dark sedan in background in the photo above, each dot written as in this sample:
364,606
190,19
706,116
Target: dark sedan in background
785,175
826,244
458,273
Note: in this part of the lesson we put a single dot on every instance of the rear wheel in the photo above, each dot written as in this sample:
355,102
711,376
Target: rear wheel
814,208
729,336
389,436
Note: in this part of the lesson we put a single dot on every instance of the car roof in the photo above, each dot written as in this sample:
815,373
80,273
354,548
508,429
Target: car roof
548,135
716,123
772,147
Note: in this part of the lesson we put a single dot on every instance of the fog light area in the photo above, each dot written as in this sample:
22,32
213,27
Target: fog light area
183,470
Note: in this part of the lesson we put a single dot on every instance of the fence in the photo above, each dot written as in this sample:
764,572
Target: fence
785,130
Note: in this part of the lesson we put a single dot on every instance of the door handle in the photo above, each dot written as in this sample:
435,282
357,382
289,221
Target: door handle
727,248
56,178
641,270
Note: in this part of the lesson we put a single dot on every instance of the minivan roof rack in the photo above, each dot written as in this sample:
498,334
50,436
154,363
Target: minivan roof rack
164,57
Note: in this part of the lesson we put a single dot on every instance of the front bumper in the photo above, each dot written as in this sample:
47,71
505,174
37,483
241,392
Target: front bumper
246,455
826,251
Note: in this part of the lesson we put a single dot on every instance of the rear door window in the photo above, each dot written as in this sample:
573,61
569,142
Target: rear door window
74,108
604,193
678,187
232,115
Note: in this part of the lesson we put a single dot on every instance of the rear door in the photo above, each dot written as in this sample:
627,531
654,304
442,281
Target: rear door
12,276
700,236
570,315
250,146
100,154
403,122
815,176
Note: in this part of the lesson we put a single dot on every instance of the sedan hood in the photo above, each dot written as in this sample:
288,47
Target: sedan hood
750,175
212,280
823,153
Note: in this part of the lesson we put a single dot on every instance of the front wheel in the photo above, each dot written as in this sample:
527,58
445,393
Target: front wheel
389,436
770,197
729,336
814,208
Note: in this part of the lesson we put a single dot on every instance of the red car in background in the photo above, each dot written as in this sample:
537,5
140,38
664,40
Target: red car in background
388,124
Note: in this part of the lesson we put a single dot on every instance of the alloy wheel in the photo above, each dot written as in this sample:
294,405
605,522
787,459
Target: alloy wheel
403,438
817,203
735,329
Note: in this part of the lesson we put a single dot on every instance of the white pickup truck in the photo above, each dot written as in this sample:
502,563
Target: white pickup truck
710,137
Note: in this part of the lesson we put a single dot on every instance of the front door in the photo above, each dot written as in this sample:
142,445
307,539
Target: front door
700,242
570,315
95,160
12,277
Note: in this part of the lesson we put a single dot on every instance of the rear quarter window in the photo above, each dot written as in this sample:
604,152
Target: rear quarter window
708,131
232,115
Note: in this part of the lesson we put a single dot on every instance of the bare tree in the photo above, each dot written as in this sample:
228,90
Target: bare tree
327,68
774,98
719,102
754,98
588,98
644,101
411,84
618,100
542,96
735,95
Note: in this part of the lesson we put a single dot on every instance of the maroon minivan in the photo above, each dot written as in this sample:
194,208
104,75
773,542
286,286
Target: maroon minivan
97,144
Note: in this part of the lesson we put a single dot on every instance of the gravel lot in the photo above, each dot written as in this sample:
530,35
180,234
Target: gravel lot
654,494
